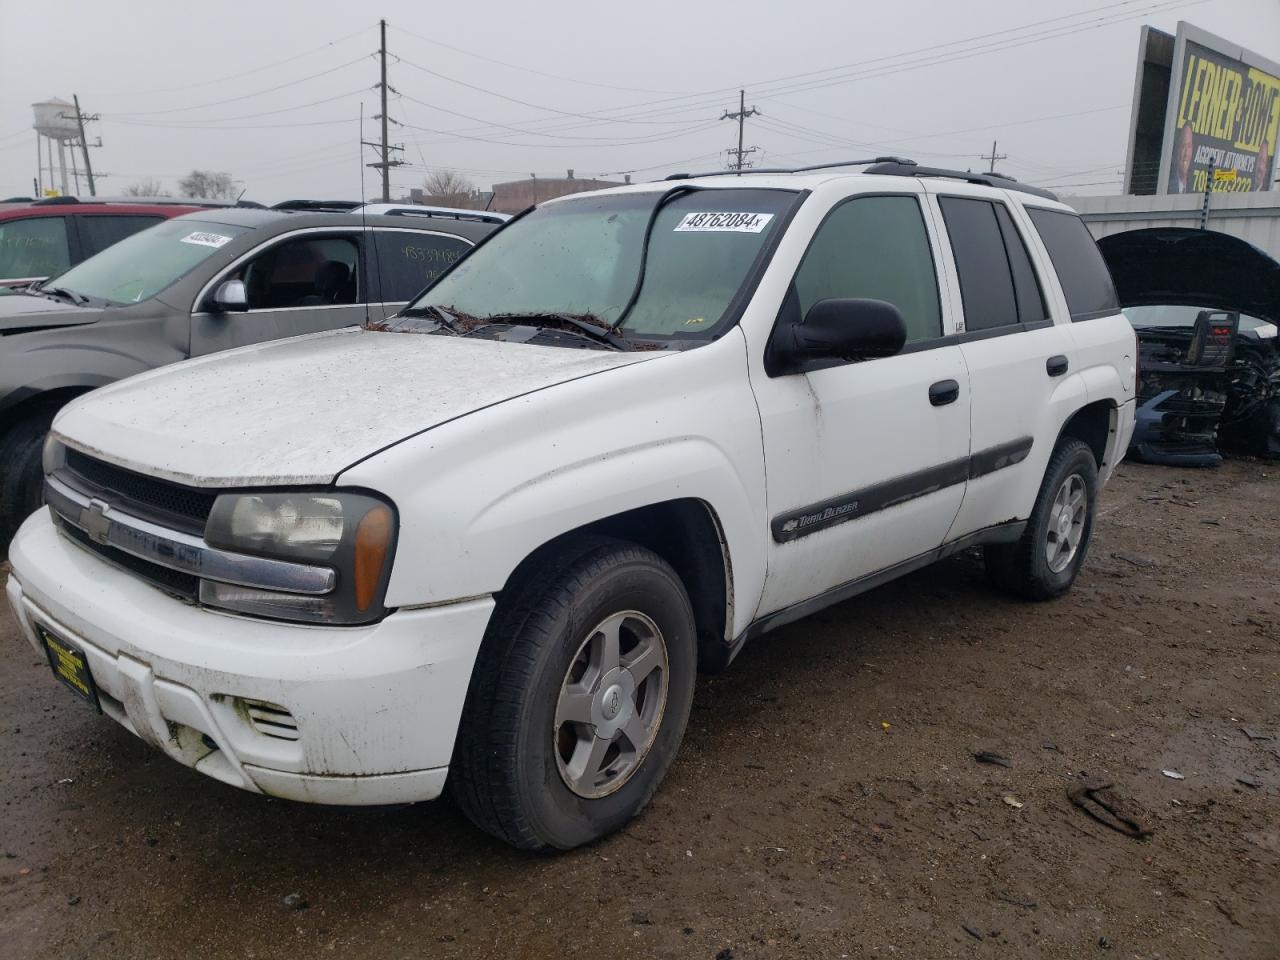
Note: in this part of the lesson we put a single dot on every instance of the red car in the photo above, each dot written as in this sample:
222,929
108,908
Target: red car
42,238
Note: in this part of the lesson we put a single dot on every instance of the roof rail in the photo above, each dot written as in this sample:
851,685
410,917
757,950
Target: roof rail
907,168
817,166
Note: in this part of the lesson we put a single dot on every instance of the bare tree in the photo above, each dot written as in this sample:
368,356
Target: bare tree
449,188
207,184
150,187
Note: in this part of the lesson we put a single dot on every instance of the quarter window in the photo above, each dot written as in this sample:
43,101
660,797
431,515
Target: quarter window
1083,273
409,262
33,248
875,248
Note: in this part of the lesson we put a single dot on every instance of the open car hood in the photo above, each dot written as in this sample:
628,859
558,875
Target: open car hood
1197,268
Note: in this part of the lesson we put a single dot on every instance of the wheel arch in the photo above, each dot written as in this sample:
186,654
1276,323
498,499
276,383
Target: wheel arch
687,534
1095,424
39,399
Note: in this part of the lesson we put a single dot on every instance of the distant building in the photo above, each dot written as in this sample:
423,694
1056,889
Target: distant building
514,195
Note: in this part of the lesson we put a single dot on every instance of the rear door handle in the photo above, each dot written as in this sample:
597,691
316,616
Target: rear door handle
1056,366
944,392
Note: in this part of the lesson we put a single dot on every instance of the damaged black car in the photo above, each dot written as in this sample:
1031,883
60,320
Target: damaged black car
1206,308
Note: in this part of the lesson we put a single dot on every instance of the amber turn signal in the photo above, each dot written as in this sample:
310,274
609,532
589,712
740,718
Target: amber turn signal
373,538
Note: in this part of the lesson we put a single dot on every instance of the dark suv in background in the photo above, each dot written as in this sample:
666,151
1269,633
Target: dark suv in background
191,286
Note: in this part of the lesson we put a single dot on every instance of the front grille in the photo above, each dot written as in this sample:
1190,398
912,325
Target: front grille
173,582
169,504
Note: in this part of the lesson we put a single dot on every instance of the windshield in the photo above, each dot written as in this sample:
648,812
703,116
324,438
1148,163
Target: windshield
1171,315
142,265
582,258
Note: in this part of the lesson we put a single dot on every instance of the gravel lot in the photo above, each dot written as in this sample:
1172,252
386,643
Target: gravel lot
826,802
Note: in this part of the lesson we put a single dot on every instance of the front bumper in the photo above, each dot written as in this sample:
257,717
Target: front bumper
346,715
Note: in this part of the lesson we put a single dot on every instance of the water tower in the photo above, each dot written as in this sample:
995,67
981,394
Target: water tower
55,122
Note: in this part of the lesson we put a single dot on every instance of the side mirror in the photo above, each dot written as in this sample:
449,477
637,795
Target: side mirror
840,330
231,296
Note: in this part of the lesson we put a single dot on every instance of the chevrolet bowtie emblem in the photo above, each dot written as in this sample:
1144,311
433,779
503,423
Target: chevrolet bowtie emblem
94,521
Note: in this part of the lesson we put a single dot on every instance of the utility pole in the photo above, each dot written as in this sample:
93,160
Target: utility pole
88,165
740,115
993,157
386,163
386,169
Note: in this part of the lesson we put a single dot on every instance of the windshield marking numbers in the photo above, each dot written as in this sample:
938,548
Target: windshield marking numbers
214,240
723,222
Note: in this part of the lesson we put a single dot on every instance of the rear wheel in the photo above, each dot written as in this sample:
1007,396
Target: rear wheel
579,698
21,476
1044,562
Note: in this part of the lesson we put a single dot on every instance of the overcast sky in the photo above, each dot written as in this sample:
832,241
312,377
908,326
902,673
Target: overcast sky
271,92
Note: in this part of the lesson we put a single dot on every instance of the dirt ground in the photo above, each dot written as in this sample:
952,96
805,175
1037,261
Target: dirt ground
826,802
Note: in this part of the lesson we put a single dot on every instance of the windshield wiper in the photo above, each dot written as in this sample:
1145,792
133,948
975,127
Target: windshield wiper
62,293
598,332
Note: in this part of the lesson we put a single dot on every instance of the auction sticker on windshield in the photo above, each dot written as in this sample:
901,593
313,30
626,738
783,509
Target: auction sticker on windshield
723,222
206,239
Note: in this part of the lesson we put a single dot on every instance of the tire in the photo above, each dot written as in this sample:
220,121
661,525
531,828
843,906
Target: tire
517,756
21,475
1024,568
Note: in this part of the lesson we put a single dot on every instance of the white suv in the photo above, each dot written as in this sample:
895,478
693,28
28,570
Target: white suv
488,543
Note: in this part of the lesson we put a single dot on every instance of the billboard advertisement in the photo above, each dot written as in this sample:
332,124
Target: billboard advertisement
1206,116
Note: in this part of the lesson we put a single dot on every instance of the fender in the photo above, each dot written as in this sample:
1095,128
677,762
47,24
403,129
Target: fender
479,494
24,393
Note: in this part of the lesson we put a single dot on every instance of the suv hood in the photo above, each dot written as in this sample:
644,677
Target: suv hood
301,411
1196,268
20,312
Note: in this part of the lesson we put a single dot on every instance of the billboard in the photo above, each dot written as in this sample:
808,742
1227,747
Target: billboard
1206,116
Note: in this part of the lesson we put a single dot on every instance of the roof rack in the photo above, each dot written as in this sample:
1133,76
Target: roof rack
908,168
816,166
888,166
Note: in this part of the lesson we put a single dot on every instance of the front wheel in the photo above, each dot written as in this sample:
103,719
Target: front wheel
579,697
1044,563
21,476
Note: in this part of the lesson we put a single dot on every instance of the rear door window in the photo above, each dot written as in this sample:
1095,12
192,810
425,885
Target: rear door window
98,233
1083,273
1026,289
33,248
986,280
408,262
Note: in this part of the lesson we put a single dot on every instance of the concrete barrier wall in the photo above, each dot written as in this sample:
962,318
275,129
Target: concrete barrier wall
1254,217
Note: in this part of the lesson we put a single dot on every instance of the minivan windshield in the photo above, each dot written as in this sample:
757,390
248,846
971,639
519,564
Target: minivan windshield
142,265
582,258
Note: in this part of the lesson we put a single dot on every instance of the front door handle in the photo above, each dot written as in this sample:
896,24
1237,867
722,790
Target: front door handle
1056,366
944,392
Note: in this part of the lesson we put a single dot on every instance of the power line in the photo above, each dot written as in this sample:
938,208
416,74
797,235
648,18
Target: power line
236,76
539,73
247,96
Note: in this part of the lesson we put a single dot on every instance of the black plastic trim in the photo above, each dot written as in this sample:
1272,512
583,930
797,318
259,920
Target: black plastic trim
856,504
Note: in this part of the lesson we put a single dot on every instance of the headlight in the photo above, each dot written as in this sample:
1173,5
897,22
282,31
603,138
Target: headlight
54,454
353,533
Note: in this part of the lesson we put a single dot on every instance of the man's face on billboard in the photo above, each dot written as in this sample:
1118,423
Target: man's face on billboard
1185,149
